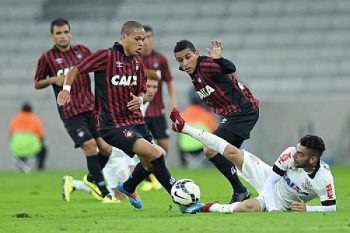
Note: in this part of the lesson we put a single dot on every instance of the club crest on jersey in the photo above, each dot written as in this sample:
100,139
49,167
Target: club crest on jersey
129,80
119,64
80,133
205,91
155,64
59,60
79,56
128,133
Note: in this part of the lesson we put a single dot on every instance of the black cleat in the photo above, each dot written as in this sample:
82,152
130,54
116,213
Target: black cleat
237,197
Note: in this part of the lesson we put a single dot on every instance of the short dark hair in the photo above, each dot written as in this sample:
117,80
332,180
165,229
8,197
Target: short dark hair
148,28
26,107
184,44
59,22
314,144
127,26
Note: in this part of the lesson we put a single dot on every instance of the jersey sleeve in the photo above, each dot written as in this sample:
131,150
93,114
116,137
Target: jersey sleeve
284,161
94,62
208,66
327,190
42,70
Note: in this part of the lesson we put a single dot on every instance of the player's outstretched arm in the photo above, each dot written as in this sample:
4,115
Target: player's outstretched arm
63,96
58,80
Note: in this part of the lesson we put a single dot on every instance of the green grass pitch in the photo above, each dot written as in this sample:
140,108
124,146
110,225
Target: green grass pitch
32,203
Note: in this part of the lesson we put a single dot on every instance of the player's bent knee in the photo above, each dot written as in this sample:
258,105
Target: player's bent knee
209,152
89,147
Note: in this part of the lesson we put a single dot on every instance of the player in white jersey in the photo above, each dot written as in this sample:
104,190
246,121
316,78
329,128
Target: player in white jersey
119,165
297,176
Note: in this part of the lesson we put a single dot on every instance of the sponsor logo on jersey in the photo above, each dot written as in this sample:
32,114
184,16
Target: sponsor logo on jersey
329,191
79,56
59,60
292,185
284,158
137,66
205,91
63,71
119,64
129,80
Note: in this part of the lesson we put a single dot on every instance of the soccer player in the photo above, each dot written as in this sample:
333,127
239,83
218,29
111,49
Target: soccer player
120,85
77,115
297,176
154,116
119,165
213,79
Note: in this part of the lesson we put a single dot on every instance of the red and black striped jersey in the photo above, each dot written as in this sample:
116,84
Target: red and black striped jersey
116,77
158,62
55,63
218,87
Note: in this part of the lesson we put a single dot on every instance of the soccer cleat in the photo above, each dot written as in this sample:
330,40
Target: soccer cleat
109,199
178,122
134,198
193,209
238,197
67,189
97,196
95,191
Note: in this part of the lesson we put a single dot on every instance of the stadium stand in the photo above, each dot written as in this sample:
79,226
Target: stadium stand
281,48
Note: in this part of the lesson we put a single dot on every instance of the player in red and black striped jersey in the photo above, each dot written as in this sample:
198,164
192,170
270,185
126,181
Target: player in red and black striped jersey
120,83
214,81
154,116
77,115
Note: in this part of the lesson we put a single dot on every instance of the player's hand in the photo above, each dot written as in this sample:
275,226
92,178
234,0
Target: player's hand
63,97
59,80
217,49
298,205
135,103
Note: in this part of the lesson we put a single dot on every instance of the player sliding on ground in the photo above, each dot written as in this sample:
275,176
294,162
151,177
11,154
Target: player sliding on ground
297,176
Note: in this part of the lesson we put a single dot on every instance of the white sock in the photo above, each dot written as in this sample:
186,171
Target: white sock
210,140
79,185
223,208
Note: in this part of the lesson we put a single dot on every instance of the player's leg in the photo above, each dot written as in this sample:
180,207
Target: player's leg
151,154
250,205
160,132
215,145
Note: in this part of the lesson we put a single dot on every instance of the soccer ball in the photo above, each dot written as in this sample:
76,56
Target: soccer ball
185,192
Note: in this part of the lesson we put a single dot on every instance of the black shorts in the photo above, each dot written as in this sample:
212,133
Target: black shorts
158,127
125,137
235,127
81,128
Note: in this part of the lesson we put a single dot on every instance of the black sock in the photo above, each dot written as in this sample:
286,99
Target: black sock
229,171
102,160
162,173
148,179
95,170
137,176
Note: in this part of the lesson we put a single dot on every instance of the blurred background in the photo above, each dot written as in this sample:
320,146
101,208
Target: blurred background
294,56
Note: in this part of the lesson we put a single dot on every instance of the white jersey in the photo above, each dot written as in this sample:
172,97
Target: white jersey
144,107
295,182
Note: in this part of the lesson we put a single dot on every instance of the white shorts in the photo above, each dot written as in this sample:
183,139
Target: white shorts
116,170
255,172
